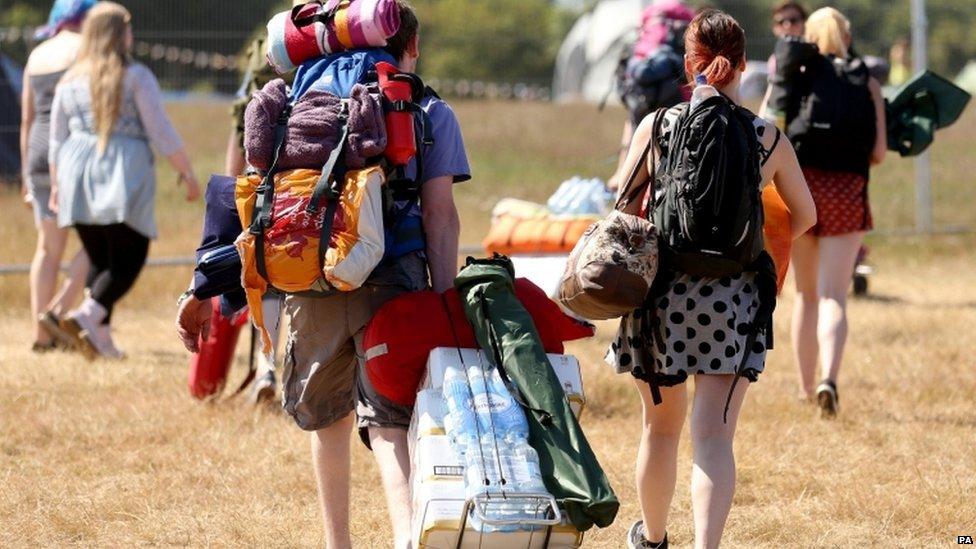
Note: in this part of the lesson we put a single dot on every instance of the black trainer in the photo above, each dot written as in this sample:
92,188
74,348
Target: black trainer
636,539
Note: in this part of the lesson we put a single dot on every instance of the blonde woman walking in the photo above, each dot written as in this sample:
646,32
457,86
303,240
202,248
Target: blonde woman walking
837,94
107,110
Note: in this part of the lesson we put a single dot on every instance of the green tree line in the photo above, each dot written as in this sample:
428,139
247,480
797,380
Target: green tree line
517,40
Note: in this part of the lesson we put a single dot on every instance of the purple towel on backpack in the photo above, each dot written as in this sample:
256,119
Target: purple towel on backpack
313,128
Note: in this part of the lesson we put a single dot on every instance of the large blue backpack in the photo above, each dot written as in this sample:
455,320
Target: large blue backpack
337,74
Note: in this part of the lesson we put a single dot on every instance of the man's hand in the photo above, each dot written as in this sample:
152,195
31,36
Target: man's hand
193,322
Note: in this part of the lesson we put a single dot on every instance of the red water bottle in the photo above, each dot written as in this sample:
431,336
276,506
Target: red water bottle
209,367
398,89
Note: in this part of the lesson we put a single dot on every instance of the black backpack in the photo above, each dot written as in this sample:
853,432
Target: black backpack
708,208
834,127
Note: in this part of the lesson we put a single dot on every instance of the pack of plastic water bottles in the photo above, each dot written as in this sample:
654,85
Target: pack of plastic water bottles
578,196
489,430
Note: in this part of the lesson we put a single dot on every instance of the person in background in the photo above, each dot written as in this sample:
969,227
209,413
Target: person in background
824,258
789,19
106,111
45,67
651,76
257,73
899,57
699,330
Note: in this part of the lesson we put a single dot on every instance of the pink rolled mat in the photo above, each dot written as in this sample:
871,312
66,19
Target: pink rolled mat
353,24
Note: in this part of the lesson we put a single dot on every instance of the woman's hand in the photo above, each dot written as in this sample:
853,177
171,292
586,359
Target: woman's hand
53,202
192,186
25,195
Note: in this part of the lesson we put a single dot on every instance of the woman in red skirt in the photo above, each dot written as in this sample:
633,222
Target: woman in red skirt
838,129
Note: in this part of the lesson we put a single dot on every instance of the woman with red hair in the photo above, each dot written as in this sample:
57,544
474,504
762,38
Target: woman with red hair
699,325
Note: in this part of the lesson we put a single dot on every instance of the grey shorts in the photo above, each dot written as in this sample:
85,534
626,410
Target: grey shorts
324,358
39,186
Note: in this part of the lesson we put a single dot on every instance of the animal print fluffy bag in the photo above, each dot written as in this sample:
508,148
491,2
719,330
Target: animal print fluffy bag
613,265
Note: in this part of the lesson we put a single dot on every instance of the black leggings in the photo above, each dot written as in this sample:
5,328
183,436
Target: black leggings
117,255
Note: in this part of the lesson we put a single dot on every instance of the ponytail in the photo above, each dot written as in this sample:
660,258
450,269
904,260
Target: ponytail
715,47
719,72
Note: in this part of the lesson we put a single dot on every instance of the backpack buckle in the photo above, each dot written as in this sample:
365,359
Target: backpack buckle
334,192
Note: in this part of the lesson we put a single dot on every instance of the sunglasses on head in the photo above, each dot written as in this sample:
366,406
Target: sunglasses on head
793,20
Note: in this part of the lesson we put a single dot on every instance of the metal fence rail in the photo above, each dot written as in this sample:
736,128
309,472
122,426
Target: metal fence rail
181,261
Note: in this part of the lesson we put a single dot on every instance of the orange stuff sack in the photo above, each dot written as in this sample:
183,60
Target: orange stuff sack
291,242
511,235
777,232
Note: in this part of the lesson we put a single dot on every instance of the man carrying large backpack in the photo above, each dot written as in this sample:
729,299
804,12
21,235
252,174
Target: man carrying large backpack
323,381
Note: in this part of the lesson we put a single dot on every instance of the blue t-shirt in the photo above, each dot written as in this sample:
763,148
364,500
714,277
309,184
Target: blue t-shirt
446,157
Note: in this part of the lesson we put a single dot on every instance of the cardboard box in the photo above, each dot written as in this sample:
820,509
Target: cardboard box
433,458
428,414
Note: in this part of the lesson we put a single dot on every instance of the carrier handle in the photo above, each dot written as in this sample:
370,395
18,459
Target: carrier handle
477,505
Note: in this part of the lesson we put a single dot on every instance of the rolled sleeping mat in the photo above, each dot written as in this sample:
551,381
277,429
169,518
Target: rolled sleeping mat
316,28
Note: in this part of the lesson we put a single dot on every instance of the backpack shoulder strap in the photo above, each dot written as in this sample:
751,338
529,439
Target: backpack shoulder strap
764,153
263,202
629,191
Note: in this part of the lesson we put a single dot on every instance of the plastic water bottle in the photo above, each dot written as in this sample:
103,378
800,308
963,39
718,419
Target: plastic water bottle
702,91
496,409
460,419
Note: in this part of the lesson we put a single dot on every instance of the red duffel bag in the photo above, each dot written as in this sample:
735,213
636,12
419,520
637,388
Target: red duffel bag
209,367
403,332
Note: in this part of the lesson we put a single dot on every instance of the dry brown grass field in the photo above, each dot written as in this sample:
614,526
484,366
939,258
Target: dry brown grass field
118,454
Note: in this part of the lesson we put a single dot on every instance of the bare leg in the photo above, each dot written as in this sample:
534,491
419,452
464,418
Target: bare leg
804,328
44,272
838,254
390,450
330,458
657,456
73,285
713,473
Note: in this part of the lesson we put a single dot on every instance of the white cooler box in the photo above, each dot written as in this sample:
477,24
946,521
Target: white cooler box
438,504
437,477
567,369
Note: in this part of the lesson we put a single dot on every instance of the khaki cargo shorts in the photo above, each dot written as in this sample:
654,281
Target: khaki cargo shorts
323,356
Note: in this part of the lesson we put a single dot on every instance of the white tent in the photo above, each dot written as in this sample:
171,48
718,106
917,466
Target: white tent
967,77
589,54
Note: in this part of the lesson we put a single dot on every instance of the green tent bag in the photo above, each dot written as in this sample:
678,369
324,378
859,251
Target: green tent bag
924,104
506,332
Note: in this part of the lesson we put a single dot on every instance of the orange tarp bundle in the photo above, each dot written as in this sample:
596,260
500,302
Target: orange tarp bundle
777,232
512,235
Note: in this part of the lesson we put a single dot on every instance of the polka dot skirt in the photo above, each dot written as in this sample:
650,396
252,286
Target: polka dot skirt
842,202
700,326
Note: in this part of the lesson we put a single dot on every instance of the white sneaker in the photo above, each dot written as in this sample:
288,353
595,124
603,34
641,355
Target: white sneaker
101,339
263,391
82,322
